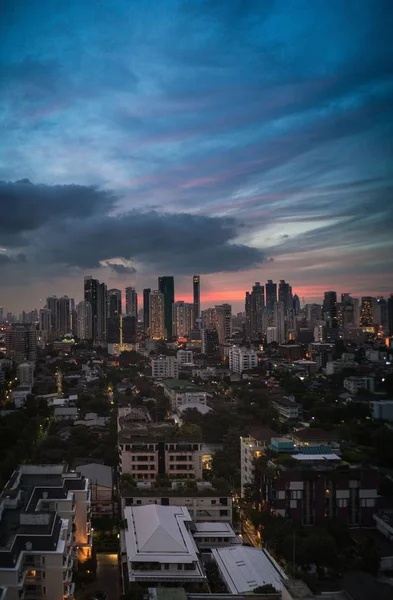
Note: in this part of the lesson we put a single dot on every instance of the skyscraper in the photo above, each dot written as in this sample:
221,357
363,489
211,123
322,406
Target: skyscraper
131,302
296,304
285,295
166,286
255,305
114,303
366,311
64,316
330,309
21,343
271,295
96,295
45,326
279,322
390,314
183,316
210,345
146,308
196,285
83,320
224,322
156,315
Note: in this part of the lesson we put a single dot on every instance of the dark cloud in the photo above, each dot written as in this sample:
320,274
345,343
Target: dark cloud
120,269
26,207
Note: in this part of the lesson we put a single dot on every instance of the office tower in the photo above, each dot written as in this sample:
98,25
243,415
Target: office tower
146,308
271,295
210,344
366,311
45,321
156,315
279,321
63,324
285,295
255,305
183,318
380,309
131,302
347,311
1,314
84,320
196,286
113,330
296,304
223,322
390,314
96,295
166,286
128,327
114,303
208,318
21,343
330,309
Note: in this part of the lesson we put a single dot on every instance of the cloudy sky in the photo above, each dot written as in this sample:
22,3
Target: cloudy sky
239,139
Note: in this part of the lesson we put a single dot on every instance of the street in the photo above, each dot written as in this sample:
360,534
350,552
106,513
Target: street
107,579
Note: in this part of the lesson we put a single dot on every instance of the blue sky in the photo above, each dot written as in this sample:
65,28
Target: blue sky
242,140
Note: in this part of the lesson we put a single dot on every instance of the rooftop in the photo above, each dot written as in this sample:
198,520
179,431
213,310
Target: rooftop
313,434
243,568
182,385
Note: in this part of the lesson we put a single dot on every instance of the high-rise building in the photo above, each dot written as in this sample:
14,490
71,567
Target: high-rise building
296,304
390,314
182,318
330,309
346,316
21,342
1,314
224,322
113,330
96,295
255,305
196,286
208,318
114,303
210,344
45,321
285,295
271,295
279,321
381,311
166,286
156,316
84,320
366,311
146,308
128,327
131,302
64,316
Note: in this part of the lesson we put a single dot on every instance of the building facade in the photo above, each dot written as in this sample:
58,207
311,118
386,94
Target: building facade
241,359
131,302
165,367
21,343
166,285
156,316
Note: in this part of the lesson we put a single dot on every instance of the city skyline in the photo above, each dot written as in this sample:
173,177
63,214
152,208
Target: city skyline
243,142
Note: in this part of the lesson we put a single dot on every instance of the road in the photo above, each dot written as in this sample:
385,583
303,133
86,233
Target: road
107,579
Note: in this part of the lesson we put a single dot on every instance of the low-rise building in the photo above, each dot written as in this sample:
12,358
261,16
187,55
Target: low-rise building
25,373
354,384
20,394
163,367
250,449
180,392
313,436
210,535
204,502
44,526
382,409
288,410
100,479
157,546
66,413
241,359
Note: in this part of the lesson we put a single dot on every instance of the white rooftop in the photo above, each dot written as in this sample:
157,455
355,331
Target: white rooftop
202,408
159,534
243,568
305,457
217,529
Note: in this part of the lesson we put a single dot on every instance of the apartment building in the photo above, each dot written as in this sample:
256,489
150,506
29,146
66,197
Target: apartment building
204,502
158,547
242,359
165,367
288,410
44,528
149,449
250,449
354,384
185,357
317,487
181,392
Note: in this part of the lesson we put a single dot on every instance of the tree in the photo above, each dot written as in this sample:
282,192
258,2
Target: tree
268,588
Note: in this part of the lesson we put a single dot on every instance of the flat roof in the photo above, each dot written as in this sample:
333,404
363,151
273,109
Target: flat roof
305,457
243,568
175,384
216,528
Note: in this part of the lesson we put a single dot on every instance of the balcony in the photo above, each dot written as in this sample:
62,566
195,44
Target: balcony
67,577
69,591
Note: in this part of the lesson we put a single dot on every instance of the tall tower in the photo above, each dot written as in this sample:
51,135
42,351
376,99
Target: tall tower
271,295
131,302
366,311
183,316
114,303
285,295
166,286
146,308
83,320
330,309
224,321
196,287
21,343
279,321
96,295
255,305
157,316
